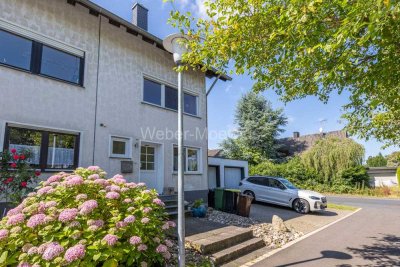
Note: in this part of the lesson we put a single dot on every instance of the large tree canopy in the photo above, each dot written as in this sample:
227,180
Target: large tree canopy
300,48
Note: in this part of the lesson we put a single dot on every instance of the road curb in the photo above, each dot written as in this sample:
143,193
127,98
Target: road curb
269,254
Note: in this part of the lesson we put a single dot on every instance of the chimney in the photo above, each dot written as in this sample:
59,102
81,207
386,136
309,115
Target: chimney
140,16
296,134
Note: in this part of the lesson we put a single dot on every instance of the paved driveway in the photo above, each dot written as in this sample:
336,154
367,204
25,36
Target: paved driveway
371,237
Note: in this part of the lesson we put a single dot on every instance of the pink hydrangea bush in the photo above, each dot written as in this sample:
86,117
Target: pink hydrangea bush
84,219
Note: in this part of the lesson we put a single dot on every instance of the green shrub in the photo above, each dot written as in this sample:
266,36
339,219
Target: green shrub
83,219
398,176
355,176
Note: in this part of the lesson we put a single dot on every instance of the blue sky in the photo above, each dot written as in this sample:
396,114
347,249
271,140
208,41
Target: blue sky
304,115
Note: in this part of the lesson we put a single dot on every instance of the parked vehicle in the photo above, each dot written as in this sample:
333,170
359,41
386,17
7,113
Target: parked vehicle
277,190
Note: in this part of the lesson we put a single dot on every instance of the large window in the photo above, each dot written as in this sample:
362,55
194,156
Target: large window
15,51
167,97
147,158
38,58
191,160
47,149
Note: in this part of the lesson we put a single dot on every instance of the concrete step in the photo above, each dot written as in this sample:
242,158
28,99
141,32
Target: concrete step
232,253
247,258
219,239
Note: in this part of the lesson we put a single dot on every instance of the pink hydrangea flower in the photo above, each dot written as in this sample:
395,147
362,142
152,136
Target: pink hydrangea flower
141,184
114,188
53,250
165,226
33,251
74,180
88,206
147,210
131,185
54,178
98,223
135,240
93,168
36,220
44,190
121,224
15,210
3,234
167,255
145,220
146,191
16,219
169,243
161,248
127,200
93,228
142,247
42,207
81,197
74,224
75,253
110,239
102,182
112,195
26,247
172,224
68,215
158,202
42,248
24,264
119,179
130,219
50,204
94,177
124,189
32,194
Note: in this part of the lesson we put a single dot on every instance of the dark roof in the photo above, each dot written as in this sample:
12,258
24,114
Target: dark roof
216,153
135,30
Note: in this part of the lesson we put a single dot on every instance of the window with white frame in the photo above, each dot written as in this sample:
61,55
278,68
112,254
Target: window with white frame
120,147
191,162
167,97
147,158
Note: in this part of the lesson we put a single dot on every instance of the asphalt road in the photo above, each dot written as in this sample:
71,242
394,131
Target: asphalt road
370,237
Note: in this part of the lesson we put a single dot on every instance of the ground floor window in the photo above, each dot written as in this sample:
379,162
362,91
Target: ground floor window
120,147
191,159
47,149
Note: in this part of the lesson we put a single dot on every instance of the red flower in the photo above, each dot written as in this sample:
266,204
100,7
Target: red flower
13,165
16,157
8,180
22,157
37,172
13,150
24,184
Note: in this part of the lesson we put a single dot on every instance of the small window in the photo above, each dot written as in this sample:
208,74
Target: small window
15,51
152,92
120,147
147,158
190,103
61,65
171,98
47,150
258,180
191,159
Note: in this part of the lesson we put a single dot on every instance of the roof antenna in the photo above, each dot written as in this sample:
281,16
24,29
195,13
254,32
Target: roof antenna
321,124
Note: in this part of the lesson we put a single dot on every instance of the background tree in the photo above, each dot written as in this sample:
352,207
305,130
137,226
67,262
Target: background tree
259,125
330,156
313,47
393,160
376,161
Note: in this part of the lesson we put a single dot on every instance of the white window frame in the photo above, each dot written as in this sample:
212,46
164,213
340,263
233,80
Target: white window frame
140,159
199,159
128,147
163,85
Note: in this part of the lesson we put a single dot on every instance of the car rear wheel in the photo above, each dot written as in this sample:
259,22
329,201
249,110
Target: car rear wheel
301,206
251,194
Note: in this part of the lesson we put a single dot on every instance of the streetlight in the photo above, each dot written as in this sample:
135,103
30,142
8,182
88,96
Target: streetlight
175,44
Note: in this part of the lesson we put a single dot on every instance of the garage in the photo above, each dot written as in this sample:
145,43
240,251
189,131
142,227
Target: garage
233,176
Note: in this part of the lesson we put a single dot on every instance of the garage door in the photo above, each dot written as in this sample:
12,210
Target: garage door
232,177
212,177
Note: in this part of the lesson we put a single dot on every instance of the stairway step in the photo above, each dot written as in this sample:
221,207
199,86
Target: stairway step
247,257
219,239
237,251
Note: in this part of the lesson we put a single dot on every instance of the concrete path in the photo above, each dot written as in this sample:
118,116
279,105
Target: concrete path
371,237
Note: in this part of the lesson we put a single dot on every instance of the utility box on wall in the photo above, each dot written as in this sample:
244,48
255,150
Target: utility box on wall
126,166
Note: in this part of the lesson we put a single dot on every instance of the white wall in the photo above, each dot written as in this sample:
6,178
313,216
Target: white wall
222,163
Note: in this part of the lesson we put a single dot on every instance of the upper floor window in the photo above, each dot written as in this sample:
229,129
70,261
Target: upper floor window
47,149
38,58
167,97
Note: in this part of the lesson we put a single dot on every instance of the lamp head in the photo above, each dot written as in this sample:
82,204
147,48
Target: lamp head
175,44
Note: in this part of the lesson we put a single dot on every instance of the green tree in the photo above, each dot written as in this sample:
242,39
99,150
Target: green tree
393,160
259,125
312,47
330,156
376,161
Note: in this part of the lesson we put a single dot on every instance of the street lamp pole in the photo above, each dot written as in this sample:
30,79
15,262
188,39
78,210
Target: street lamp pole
175,44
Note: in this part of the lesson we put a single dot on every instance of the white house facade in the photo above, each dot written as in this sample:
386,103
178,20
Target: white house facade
80,86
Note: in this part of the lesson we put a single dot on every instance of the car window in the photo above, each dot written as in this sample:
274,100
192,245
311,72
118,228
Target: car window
257,180
276,184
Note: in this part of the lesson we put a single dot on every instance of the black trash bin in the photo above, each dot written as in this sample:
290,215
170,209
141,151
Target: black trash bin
231,200
211,200
244,205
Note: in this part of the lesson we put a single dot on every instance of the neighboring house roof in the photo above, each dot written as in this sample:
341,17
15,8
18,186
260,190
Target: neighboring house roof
135,30
298,144
216,153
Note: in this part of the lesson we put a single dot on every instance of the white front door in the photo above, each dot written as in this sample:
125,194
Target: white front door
151,166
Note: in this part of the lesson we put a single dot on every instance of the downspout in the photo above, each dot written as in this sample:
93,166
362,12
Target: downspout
97,91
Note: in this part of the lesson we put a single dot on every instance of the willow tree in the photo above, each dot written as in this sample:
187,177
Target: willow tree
308,47
331,155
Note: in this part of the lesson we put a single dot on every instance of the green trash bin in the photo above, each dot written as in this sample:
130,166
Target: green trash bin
219,198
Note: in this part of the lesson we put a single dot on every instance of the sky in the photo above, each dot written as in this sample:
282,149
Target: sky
304,115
